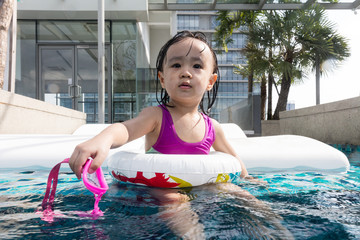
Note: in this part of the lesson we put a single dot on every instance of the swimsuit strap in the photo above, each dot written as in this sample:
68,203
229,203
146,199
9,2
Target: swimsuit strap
53,178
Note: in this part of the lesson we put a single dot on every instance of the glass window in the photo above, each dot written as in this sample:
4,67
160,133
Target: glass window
227,73
70,31
238,41
124,57
25,59
188,22
194,1
231,57
234,89
214,22
124,39
124,31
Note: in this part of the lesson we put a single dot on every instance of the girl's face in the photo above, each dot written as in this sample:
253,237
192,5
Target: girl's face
188,71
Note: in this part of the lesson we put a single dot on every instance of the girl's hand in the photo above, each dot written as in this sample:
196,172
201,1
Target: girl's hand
255,180
96,148
115,135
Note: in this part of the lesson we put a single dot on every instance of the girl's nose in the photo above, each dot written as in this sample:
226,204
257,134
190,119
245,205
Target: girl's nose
186,74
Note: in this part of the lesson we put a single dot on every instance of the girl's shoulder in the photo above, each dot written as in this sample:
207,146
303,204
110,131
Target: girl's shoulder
217,127
149,118
151,114
152,111
215,123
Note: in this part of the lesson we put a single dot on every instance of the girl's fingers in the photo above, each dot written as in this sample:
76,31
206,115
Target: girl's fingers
72,161
77,161
99,158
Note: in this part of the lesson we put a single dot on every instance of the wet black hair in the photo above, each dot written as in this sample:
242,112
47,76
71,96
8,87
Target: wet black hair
211,95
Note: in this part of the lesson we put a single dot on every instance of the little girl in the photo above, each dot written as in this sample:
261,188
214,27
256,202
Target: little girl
187,69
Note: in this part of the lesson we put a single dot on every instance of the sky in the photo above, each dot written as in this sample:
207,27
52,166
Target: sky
344,81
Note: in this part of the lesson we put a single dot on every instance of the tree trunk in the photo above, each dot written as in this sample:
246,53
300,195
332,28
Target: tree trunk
317,66
6,11
283,97
263,96
250,82
270,85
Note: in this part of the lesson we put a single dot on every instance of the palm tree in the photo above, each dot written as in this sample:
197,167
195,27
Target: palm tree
324,44
306,39
291,42
258,49
6,11
287,51
261,52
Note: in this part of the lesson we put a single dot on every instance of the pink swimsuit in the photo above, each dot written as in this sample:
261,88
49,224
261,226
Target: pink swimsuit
169,142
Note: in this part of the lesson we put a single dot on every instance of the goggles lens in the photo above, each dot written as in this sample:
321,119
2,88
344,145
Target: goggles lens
95,182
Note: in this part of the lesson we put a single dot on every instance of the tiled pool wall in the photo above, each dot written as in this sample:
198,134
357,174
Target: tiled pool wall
347,148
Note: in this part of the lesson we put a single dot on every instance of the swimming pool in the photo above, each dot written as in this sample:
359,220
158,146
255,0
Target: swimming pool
308,204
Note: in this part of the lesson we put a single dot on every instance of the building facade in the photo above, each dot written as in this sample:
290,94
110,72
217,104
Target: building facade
57,55
57,62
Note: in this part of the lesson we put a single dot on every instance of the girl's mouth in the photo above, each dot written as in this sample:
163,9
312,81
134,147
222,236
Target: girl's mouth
185,85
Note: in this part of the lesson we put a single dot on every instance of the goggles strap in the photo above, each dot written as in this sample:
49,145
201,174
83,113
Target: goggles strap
48,200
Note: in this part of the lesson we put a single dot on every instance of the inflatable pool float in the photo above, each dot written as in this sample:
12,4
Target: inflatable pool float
175,170
46,150
260,154
282,153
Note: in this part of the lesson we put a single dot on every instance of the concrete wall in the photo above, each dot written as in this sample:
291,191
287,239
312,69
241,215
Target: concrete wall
333,123
245,113
270,127
240,114
22,115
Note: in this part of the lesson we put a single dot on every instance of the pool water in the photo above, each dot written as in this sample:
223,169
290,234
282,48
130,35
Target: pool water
302,205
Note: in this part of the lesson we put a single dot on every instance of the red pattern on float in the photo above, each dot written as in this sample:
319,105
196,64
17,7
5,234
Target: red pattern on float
158,181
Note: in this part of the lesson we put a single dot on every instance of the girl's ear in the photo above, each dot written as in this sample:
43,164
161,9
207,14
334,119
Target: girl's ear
161,79
212,81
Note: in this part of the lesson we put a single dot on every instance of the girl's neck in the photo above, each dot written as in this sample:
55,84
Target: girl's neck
182,109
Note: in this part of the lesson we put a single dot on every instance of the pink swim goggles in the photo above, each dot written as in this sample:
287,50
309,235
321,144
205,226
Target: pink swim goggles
95,182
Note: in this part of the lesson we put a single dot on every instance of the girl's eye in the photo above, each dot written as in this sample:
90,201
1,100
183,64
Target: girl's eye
176,65
197,66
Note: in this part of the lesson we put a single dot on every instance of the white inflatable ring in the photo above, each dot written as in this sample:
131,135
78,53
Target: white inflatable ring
175,170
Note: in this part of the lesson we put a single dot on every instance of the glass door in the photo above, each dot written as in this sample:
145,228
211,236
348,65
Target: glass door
86,80
68,78
57,69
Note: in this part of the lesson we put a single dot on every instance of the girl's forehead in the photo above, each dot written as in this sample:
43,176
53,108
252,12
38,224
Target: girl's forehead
188,46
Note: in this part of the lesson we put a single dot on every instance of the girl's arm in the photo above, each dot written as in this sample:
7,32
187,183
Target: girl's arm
113,136
221,144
